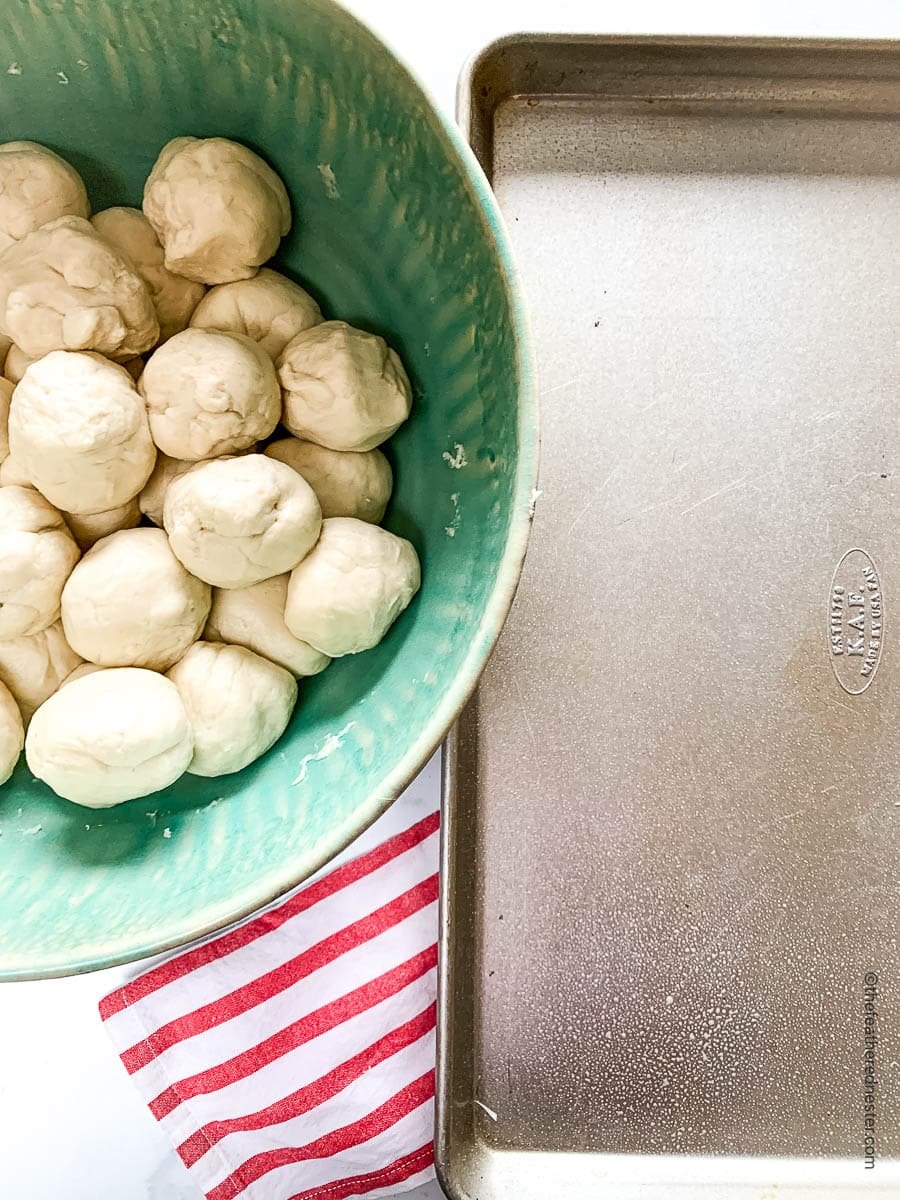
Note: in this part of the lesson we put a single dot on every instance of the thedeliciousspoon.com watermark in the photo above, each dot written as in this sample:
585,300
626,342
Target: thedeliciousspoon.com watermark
870,1082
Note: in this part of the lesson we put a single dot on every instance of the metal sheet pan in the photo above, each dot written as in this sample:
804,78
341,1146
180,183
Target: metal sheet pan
672,834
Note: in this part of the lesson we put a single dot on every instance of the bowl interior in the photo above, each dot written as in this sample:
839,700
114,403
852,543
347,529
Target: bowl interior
394,231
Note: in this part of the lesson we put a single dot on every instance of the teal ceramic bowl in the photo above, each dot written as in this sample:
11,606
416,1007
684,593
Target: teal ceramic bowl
395,230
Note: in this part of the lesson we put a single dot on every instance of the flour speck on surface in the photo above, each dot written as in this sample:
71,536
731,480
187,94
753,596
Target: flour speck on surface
457,460
332,742
451,529
328,178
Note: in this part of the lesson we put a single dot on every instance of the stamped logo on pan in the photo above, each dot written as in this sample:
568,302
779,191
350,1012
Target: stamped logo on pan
855,621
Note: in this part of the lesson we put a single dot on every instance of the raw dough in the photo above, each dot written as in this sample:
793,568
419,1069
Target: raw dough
34,667
12,474
16,364
217,208
130,602
6,391
347,483
12,733
79,673
134,367
209,393
236,521
269,308
254,617
37,554
79,430
109,737
153,497
238,705
343,388
347,593
90,529
36,186
174,297
64,287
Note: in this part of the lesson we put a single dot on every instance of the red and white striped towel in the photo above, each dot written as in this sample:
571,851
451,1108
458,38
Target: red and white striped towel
292,1057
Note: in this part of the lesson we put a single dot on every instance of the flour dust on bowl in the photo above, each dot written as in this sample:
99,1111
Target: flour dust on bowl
394,231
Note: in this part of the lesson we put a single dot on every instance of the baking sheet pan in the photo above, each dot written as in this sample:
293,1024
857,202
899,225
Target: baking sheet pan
672,811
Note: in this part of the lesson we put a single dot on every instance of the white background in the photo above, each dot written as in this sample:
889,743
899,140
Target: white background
72,1127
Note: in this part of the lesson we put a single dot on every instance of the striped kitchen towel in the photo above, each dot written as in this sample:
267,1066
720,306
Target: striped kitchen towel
292,1057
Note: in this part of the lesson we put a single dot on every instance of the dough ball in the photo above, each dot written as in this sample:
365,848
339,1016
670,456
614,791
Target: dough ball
134,367
79,430
12,733
217,208
153,497
347,483
174,297
6,391
268,308
16,364
236,521
343,388
209,393
109,737
34,667
238,705
12,474
254,617
80,672
64,287
36,186
130,602
37,554
350,589
90,529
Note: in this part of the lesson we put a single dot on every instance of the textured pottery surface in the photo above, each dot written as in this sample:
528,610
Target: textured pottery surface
395,231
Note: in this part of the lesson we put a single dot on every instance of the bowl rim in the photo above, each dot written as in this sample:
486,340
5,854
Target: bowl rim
276,885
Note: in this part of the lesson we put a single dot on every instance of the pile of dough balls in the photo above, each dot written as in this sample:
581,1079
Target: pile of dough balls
191,488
